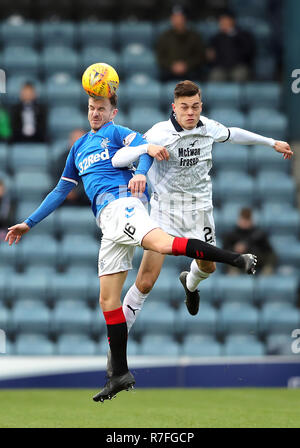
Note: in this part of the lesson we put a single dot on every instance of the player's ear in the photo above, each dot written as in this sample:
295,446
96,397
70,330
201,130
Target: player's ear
173,107
114,113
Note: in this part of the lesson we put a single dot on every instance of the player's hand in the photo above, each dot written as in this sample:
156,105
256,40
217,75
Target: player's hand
284,148
15,233
158,152
137,185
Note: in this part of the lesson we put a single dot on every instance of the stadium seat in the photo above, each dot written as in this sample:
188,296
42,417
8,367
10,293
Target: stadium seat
242,345
91,54
238,288
266,95
291,256
222,95
159,345
71,316
227,156
280,219
56,33
228,215
204,324
141,119
4,316
21,59
238,318
14,34
280,318
135,58
68,286
32,185
29,155
39,250
28,285
156,317
135,32
34,345
234,186
78,250
59,59
277,288
167,287
275,187
195,345
76,220
9,256
46,226
279,344
207,29
30,316
268,122
263,158
145,91
61,89
104,34
228,117
252,8
63,120
76,345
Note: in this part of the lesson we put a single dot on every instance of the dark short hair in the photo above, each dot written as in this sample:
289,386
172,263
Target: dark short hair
186,88
113,99
246,213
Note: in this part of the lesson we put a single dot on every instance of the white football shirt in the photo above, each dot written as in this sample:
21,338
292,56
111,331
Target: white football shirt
184,178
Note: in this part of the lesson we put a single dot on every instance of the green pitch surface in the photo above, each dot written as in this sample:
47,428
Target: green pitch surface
151,408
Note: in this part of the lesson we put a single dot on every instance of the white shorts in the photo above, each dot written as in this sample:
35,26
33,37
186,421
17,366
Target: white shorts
124,223
197,224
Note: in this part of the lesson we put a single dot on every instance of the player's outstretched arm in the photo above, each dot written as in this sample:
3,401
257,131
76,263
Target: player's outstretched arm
129,154
244,137
16,232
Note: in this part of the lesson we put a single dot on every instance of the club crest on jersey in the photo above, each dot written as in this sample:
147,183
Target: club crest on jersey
104,143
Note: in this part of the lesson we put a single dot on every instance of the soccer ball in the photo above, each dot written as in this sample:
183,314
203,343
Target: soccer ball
100,80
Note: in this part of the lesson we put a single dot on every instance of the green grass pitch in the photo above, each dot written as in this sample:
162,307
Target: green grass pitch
151,408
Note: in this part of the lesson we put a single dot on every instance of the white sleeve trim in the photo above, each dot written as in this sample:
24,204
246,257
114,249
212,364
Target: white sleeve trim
243,137
127,155
70,180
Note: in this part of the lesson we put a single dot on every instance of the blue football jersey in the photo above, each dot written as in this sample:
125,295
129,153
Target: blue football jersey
90,159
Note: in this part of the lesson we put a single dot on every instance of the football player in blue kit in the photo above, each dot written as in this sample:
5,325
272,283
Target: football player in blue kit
123,220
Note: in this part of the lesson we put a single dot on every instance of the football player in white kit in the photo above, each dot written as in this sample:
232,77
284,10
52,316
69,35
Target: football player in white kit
181,201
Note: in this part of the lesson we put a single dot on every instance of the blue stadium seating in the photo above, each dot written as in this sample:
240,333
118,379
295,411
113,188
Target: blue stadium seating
277,288
135,58
228,214
234,186
268,122
159,345
3,157
207,29
28,285
68,286
76,345
76,220
275,187
31,185
4,317
235,288
280,219
56,33
228,117
166,286
280,318
279,344
221,95
63,120
242,345
204,324
135,32
290,257
156,317
14,34
239,318
15,83
34,345
8,257
29,155
198,345
145,91
61,89
21,59
263,158
59,59
266,95
143,118
102,33
30,316
96,53
76,250
228,156
71,316
265,67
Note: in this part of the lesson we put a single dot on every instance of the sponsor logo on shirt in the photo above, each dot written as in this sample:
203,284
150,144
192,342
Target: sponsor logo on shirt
91,159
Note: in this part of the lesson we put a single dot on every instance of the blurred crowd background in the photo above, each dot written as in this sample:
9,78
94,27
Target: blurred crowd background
48,283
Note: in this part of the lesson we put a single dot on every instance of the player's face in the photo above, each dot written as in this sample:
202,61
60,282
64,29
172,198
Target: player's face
187,110
100,112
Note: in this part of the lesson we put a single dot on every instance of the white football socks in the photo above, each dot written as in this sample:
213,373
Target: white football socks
132,305
195,276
